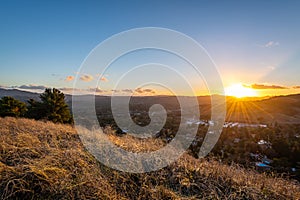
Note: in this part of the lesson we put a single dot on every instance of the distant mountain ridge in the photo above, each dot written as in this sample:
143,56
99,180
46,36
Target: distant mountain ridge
281,109
19,94
25,95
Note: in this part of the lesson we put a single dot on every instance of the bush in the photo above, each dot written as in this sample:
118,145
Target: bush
12,107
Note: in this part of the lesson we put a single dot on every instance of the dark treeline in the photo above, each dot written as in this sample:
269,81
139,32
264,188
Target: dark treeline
52,107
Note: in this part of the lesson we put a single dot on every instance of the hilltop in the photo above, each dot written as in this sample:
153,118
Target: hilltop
42,160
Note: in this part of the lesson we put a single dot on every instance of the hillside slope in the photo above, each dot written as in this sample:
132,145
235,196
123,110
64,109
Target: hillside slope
18,94
41,160
281,109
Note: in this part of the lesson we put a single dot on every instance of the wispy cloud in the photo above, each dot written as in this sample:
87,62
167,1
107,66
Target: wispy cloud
263,86
270,44
144,91
104,79
69,89
83,91
149,91
115,91
297,87
86,78
138,91
127,90
97,90
66,90
32,87
69,78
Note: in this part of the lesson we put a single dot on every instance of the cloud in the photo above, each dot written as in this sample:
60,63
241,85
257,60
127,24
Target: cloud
69,78
115,91
270,44
97,90
262,86
69,89
127,90
82,91
104,79
297,87
143,91
86,78
149,91
32,87
139,90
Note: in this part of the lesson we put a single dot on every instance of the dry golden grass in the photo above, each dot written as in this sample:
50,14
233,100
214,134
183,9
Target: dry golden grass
42,160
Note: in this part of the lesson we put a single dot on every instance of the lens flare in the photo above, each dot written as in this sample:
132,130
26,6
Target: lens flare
240,91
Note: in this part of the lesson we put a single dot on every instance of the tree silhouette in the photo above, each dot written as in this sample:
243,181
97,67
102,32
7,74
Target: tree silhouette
52,107
36,110
12,107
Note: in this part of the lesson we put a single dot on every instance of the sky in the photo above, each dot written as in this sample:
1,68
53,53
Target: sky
255,44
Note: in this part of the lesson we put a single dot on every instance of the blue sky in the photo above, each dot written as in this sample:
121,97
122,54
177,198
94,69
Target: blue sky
251,42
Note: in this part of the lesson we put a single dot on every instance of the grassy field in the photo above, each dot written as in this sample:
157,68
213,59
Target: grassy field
42,160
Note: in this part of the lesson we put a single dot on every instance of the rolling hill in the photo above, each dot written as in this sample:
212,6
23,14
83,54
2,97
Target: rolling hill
280,109
42,160
268,110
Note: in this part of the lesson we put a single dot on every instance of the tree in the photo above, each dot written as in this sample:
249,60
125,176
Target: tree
52,107
36,110
12,107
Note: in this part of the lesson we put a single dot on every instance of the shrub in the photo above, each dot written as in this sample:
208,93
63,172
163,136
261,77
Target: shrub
12,107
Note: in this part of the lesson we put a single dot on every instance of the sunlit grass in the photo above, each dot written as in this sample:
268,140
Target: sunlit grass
42,160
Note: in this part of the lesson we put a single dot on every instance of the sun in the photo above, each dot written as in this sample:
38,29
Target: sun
240,91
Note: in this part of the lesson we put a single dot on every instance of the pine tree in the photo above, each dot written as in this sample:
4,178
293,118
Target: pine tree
12,107
52,107
36,110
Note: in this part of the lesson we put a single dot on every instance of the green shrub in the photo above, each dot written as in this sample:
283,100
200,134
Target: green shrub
12,107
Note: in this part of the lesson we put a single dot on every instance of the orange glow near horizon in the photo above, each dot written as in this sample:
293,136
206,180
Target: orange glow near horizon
239,91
